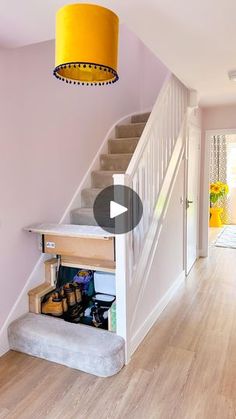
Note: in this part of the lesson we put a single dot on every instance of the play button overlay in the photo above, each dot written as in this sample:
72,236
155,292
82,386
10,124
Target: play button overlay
118,209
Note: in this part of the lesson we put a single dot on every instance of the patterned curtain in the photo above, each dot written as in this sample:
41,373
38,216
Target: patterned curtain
218,169
231,178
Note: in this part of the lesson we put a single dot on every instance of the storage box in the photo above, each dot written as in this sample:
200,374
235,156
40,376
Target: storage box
105,283
103,300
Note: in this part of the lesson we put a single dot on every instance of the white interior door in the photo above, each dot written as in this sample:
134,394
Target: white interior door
192,196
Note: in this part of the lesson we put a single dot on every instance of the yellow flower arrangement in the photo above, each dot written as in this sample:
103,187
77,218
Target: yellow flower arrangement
218,190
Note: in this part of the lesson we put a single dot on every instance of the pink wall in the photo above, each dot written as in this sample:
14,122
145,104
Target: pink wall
151,80
219,117
50,133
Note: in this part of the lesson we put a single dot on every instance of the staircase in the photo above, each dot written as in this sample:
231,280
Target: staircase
120,152
145,155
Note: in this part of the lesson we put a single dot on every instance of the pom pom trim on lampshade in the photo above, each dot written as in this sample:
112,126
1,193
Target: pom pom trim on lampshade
61,73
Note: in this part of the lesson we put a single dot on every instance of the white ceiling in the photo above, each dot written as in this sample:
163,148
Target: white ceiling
196,39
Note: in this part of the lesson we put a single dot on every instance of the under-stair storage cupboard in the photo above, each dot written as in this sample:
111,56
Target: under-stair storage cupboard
80,284
79,291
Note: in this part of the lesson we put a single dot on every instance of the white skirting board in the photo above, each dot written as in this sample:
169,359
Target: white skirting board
156,312
4,345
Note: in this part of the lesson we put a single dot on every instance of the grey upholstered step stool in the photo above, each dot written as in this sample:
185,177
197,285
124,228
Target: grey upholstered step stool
85,348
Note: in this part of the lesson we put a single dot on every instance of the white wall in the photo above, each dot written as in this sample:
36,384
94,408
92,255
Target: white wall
168,262
49,134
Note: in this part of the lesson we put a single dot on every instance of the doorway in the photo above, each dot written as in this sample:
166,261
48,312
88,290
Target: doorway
220,166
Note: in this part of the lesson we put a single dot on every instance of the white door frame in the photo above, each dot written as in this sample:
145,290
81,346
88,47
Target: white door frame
203,252
190,124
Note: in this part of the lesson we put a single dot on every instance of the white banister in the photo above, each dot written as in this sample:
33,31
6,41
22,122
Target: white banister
151,173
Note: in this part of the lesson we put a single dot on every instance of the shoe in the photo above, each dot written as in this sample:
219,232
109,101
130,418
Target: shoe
78,294
70,294
64,304
64,299
97,315
62,292
74,314
53,306
55,295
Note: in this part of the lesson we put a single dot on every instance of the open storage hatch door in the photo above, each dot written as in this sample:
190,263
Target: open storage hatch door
87,246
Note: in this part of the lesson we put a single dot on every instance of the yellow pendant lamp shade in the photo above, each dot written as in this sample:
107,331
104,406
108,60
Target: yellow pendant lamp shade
86,45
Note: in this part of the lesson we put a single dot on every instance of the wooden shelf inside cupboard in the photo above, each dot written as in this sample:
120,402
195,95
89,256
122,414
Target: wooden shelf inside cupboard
86,263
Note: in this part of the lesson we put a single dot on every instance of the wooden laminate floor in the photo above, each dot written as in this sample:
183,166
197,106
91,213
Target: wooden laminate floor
214,232
185,368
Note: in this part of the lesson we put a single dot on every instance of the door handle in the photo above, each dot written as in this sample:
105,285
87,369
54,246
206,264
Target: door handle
188,202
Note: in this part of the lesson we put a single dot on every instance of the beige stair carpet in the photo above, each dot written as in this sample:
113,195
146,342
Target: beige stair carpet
120,152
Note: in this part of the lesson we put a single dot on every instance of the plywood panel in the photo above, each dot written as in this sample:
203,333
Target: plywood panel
80,247
36,295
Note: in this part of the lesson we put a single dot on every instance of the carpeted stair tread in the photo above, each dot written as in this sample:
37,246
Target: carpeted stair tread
103,178
84,348
89,195
83,216
143,117
122,145
115,161
130,130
